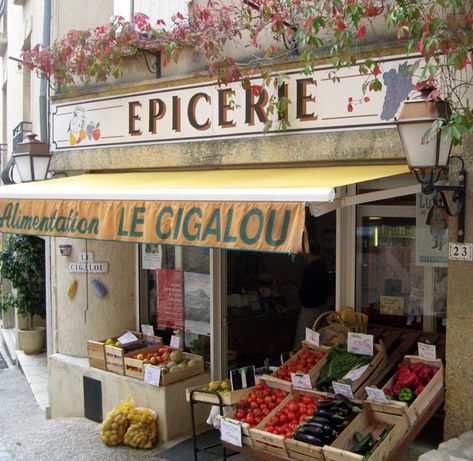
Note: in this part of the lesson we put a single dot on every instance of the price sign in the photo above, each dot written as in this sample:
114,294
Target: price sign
301,380
127,338
356,373
175,342
147,330
359,343
312,337
460,251
344,389
230,432
427,351
376,395
152,375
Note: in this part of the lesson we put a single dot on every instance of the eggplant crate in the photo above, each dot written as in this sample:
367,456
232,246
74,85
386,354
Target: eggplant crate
245,427
375,419
432,390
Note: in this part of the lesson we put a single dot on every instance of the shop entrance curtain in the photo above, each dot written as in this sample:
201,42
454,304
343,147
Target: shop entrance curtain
254,209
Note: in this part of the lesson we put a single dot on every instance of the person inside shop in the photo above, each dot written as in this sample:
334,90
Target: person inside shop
313,293
268,298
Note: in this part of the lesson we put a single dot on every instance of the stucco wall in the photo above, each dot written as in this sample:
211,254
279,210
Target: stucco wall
86,315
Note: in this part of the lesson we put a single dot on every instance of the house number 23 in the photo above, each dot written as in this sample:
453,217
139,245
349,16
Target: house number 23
460,251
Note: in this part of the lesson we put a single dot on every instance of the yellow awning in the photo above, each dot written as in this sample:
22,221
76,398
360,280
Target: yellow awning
253,209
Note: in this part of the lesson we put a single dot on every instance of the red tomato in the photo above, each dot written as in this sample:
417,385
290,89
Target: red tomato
291,416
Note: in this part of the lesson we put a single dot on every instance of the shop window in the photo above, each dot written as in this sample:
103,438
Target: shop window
155,9
393,287
178,294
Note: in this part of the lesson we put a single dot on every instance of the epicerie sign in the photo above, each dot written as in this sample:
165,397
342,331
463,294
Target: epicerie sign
86,263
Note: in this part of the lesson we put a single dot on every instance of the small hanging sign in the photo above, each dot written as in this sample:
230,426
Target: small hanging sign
231,433
343,389
376,395
301,380
312,337
152,375
175,342
359,343
147,330
127,338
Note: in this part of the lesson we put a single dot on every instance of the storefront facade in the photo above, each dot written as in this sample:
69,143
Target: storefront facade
186,124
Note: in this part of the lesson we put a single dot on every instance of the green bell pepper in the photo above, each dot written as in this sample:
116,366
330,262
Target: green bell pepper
406,395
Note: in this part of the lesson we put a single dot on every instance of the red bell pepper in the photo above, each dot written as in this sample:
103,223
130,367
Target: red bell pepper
407,380
396,389
419,390
425,375
417,367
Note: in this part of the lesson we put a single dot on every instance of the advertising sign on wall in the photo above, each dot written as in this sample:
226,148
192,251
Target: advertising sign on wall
197,302
431,233
170,306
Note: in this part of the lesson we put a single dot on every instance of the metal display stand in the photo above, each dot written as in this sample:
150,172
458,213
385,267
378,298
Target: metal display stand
194,399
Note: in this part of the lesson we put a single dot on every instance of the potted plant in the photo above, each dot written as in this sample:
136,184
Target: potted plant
22,262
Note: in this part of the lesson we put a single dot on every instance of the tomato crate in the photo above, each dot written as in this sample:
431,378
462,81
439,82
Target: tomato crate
378,359
432,390
245,427
312,372
96,350
276,443
375,419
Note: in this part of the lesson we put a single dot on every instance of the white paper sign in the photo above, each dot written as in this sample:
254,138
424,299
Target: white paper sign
175,342
152,375
127,338
356,373
344,389
301,380
359,343
147,330
230,432
151,256
460,251
312,337
427,351
376,395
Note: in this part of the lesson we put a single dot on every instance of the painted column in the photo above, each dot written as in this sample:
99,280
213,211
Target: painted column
87,314
459,347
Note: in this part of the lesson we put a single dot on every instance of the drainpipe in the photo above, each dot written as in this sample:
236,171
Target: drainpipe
43,88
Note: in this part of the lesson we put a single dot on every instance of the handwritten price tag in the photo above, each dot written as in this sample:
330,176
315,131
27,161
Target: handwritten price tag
301,380
147,330
359,343
127,338
152,375
344,389
376,395
231,432
175,342
355,374
427,351
312,337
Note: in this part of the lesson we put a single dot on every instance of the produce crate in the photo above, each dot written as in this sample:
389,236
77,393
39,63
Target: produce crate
135,367
245,428
96,351
378,359
149,340
315,370
275,443
228,398
432,390
375,418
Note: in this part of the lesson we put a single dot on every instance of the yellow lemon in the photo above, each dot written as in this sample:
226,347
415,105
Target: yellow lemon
72,139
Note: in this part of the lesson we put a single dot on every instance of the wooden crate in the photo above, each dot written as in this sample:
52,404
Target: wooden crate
150,340
433,389
96,350
315,370
245,428
277,444
228,398
378,359
375,418
135,367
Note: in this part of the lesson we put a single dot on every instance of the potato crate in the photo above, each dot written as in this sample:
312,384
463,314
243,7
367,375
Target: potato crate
96,350
245,427
434,388
378,359
275,443
229,398
375,419
315,370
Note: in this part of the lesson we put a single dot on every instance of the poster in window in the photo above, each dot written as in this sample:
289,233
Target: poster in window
431,232
197,302
170,306
151,256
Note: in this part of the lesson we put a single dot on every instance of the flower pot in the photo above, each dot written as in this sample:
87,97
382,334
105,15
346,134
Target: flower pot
65,249
32,341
